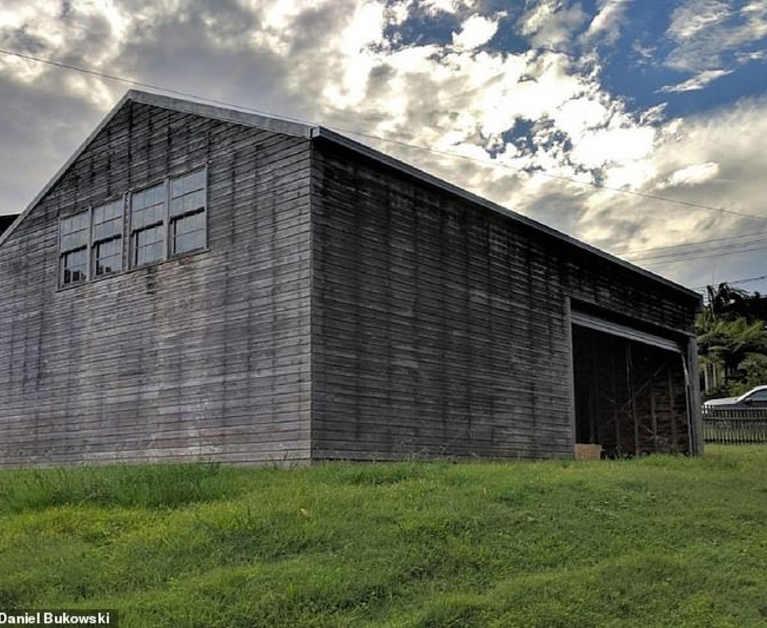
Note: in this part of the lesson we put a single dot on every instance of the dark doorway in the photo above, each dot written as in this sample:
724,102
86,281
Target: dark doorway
630,397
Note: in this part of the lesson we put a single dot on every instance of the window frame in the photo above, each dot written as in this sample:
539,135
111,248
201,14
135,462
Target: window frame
176,218
135,231
65,252
169,220
126,234
95,242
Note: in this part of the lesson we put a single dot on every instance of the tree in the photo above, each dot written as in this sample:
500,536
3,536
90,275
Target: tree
727,302
732,341
757,306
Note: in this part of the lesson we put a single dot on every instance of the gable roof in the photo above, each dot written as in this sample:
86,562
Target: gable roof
176,104
312,132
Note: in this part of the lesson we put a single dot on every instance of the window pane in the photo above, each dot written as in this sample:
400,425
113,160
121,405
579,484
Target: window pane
150,253
190,242
148,245
190,222
149,236
106,265
148,207
107,229
187,203
189,233
187,193
74,266
150,196
151,215
72,224
74,231
108,256
107,220
107,212
188,183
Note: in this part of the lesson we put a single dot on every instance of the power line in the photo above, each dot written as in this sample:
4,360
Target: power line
382,139
658,262
722,248
388,140
158,88
654,260
749,280
734,282
696,243
597,186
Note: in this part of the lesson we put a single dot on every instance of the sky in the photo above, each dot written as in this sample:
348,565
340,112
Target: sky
637,127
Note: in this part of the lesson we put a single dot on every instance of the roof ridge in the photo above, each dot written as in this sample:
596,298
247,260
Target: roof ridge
312,132
193,107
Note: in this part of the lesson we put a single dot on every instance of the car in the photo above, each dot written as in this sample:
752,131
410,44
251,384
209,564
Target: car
754,398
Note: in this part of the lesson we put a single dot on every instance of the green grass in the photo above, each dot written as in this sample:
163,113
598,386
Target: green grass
660,541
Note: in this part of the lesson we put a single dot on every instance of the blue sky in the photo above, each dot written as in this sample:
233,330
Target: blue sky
635,126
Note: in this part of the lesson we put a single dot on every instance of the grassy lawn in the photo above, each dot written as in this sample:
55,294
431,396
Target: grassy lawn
659,541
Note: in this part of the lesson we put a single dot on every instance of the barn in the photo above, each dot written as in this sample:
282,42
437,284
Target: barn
203,283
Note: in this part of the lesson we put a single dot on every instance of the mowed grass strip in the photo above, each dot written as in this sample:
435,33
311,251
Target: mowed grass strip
659,541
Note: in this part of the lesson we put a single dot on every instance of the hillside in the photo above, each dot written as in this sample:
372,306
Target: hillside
653,542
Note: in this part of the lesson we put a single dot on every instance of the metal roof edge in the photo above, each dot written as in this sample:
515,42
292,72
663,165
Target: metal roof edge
299,129
396,164
60,172
225,114
175,104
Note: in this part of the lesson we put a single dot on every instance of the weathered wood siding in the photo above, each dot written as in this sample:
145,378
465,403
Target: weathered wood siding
201,357
440,326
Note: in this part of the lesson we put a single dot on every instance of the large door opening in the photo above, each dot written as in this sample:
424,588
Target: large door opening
630,393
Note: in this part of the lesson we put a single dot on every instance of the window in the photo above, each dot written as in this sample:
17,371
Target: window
188,233
107,238
73,247
148,225
187,213
168,219
758,398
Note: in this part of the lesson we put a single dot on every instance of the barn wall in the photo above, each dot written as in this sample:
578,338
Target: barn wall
440,327
202,357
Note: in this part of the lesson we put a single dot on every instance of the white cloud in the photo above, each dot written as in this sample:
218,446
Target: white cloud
653,115
328,61
475,31
746,57
397,12
692,175
446,6
706,30
614,147
699,81
694,17
708,160
550,25
608,21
